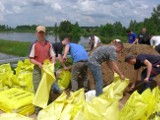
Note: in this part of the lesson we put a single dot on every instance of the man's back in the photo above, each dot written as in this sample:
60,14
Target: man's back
58,48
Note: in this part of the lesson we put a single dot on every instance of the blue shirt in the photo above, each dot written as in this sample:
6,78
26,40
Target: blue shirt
77,52
131,37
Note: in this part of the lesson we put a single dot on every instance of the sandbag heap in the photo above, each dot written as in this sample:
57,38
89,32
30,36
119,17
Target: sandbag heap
22,79
17,100
75,107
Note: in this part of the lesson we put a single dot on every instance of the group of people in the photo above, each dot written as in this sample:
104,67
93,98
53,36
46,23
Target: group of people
144,38
42,50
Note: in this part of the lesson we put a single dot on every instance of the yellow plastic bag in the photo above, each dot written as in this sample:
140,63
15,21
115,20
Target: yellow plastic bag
135,108
13,116
64,79
5,68
15,100
116,88
48,78
151,101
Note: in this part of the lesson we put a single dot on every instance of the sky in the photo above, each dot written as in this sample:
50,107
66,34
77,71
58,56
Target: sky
85,12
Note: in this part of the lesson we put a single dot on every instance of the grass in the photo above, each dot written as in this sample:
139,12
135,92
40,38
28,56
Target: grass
15,47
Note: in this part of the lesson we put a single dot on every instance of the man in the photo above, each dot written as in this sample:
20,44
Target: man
143,37
132,37
104,54
155,42
79,68
151,62
58,48
94,42
40,50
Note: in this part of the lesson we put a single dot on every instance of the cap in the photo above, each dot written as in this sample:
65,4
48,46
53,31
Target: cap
129,57
41,28
117,40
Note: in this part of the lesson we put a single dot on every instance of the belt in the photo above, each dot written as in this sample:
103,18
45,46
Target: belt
83,61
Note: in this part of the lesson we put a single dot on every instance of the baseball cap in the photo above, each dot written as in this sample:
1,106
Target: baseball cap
41,28
129,57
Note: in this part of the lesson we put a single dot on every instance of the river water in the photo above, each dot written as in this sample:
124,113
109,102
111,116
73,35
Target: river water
31,37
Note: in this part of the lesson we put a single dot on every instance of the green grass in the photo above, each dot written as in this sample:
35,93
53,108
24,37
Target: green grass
15,47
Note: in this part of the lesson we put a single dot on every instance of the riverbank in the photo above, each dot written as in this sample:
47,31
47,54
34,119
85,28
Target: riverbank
16,48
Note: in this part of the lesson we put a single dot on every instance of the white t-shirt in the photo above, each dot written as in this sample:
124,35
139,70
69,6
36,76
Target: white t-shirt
96,41
155,40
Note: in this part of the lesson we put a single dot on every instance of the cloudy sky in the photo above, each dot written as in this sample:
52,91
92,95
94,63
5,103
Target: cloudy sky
86,12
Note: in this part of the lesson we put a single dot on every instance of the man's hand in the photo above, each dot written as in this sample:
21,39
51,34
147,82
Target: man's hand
40,65
66,68
132,87
146,80
122,77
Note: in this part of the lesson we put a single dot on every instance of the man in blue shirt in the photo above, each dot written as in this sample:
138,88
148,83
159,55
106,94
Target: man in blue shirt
79,68
132,37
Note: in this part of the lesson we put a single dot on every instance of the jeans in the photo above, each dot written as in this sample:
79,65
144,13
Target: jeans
79,69
155,71
96,71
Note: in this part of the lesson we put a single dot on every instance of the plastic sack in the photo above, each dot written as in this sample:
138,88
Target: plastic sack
16,100
13,116
64,79
48,78
24,80
63,108
5,68
156,112
116,88
151,101
135,108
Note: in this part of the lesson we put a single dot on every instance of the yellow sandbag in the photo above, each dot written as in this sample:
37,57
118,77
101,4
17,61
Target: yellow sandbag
53,111
14,99
5,68
64,79
151,101
13,116
24,80
48,78
116,88
135,108
156,113
26,110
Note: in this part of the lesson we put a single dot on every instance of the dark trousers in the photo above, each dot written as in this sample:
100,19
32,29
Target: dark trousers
155,71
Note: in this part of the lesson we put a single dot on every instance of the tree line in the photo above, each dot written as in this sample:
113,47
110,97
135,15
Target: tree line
106,32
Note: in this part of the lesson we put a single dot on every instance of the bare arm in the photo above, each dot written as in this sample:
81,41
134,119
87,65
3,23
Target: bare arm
66,50
60,59
36,62
136,41
115,68
149,68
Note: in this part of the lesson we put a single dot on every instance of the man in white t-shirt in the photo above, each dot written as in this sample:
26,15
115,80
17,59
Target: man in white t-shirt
94,42
155,42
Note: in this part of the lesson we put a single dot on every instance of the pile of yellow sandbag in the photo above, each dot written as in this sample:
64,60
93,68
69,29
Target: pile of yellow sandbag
22,79
17,101
75,107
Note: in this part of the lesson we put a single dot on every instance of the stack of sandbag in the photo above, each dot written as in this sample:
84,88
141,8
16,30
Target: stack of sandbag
22,79
75,106
143,106
16,101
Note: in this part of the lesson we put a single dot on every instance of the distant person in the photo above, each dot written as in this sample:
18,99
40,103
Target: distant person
143,37
58,49
151,64
94,42
155,42
132,37
40,51
79,68
102,54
